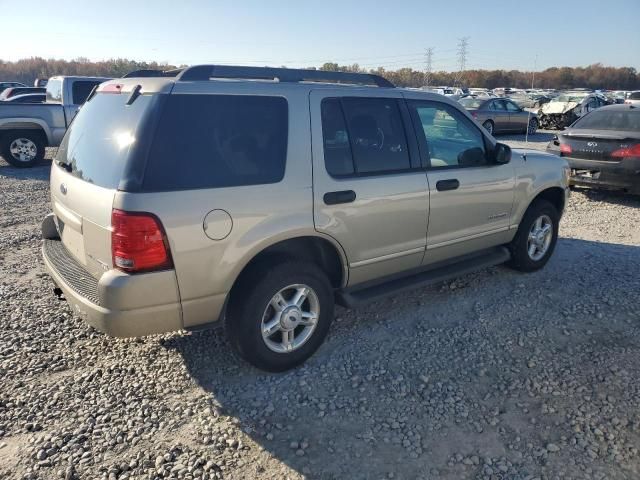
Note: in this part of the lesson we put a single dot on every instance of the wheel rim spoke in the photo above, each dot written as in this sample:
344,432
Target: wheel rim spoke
278,302
272,327
288,338
309,319
300,296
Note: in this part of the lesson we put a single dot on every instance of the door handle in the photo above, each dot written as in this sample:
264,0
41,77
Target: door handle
343,196
450,184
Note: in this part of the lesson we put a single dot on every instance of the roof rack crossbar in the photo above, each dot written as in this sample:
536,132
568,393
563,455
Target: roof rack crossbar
207,72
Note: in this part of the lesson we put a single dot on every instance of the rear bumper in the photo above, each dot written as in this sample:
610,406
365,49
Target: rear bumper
117,304
624,174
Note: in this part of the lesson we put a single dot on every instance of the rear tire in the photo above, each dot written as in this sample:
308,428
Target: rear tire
531,248
22,149
489,126
264,301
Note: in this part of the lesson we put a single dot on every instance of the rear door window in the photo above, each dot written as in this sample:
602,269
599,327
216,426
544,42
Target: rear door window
54,91
81,89
376,135
210,141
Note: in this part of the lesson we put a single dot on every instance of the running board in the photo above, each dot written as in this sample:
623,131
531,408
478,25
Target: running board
356,297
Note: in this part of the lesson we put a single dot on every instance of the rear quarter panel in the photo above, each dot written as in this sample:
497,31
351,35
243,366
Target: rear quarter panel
47,117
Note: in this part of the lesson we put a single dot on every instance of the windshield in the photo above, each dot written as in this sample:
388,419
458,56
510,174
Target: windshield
634,96
610,120
470,103
102,137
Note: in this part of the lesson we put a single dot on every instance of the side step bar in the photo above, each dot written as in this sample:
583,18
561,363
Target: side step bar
356,297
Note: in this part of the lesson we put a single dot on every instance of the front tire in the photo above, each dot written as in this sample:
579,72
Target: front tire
22,149
536,237
280,314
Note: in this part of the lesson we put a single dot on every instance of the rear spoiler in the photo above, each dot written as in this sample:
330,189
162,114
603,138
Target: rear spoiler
148,73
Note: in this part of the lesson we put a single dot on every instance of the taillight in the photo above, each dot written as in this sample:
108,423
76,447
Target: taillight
632,151
474,115
564,148
138,242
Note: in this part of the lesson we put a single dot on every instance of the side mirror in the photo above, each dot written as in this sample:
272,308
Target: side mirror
502,154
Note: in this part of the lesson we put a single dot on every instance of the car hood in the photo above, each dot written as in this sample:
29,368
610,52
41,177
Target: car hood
558,107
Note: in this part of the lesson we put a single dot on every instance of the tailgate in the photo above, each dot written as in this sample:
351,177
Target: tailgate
83,217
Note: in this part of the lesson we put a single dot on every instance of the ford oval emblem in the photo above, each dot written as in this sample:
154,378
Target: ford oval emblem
63,188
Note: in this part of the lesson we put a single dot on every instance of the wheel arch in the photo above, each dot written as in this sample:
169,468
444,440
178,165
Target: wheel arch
320,250
10,125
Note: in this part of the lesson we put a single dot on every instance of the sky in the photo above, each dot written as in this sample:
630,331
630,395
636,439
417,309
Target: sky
294,33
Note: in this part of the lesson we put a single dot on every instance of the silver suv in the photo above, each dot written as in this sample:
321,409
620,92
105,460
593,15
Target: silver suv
255,197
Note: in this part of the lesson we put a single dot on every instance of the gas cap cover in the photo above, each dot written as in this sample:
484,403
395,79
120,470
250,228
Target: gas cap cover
217,224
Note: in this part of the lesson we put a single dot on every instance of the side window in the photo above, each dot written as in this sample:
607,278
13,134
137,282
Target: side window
54,91
498,105
80,90
450,138
512,107
210,141
338,159
376,134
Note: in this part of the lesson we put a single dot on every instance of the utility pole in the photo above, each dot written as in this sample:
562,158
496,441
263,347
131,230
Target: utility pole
463,45
428,56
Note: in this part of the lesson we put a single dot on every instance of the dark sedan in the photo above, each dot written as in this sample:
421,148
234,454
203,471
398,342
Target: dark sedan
498,115
603,148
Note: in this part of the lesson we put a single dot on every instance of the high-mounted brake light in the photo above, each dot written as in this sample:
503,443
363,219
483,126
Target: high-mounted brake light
138,242
564,148
632,151
112,88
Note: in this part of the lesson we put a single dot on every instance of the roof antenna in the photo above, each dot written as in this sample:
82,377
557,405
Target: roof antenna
533,77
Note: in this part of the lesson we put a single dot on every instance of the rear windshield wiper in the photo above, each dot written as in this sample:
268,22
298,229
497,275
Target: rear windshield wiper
65,166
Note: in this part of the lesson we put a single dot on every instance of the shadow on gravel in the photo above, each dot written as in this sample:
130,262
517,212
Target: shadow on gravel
615,197
405,386
39,172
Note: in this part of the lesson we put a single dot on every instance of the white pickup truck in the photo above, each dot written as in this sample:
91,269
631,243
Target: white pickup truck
26,129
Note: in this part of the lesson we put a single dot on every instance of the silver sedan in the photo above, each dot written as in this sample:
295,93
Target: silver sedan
498,115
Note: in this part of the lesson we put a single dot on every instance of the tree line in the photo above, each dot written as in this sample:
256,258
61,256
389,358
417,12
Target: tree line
596,76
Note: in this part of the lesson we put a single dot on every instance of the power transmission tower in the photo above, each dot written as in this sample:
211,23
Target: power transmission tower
428,57
463,45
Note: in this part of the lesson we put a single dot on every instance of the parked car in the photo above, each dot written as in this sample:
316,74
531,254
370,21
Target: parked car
26,129
564,109
633,98
4,85
500,115
257,203
40,82
13,91
603,148
529,100
28,98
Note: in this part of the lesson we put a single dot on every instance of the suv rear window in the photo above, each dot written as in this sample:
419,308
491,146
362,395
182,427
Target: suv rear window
208,141
102,137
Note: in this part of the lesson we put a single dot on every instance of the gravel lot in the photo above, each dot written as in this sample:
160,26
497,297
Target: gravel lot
496,375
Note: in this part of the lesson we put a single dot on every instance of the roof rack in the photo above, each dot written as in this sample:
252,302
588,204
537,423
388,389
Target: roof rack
147,73
207,72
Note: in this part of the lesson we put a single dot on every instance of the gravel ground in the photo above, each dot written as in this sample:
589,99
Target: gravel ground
496,375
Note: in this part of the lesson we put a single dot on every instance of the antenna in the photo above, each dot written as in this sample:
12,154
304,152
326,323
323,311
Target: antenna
428,57
533,77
